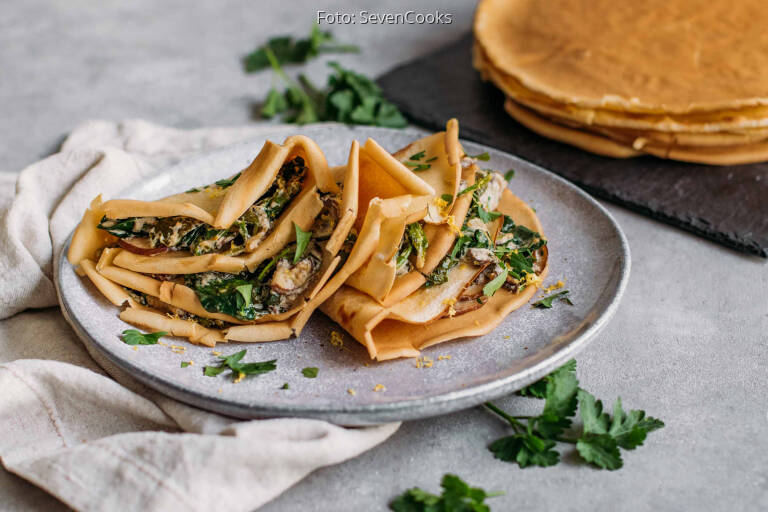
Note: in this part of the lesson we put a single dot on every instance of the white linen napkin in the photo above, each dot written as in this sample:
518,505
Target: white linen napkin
102,444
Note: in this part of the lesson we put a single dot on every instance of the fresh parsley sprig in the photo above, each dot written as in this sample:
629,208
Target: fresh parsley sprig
289,51
349,97
457,496
239,370
534,438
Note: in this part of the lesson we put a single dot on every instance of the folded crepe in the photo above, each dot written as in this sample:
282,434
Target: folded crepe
255,248
477,274
412,248
251,257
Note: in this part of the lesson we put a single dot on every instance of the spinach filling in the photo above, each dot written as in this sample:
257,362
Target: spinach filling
270,289
415,242
184,233
514,253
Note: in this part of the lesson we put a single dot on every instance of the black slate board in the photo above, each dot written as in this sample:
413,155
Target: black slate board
728,205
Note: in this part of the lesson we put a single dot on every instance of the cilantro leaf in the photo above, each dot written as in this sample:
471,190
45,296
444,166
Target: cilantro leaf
457,496
185,364
134,337
302,240
526,450
509,174
285,386
310,372
546,302
601,450
448,198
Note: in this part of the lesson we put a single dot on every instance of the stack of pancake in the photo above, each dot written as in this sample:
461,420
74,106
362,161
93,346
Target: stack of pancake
685,80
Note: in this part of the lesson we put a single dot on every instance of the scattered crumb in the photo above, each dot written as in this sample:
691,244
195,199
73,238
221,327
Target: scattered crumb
525,348
221,391
136,348
216,353
507,337
424,362
161,343
367,365
441,358
379,387
351,391
337,340
240,376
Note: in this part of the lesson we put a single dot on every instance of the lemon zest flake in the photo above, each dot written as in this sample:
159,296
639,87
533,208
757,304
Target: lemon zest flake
451,221
559,284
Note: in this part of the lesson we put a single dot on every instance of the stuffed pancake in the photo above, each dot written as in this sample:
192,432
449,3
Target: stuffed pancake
250,251
489,263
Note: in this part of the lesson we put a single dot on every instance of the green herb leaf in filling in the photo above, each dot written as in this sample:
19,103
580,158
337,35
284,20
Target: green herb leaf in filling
302,240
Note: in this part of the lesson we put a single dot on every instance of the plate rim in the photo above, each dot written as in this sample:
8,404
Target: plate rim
374,413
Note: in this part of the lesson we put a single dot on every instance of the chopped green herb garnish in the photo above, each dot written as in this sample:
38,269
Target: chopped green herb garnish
509,174
288,51
238,369
431,159
482,156
534,438
487,216
184,364
190,191
493,285
478,184
310,372
227,182
285,386
457,496
302,240
417,156
448,198
416,167
134,337
546,302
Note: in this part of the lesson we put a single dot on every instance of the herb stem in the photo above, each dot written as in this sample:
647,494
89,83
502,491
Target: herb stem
512,420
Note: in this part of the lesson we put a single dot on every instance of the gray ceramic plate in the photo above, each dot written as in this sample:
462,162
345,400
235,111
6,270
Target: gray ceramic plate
586,248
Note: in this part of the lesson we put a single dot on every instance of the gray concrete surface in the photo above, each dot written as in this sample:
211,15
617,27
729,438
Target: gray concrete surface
689,343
